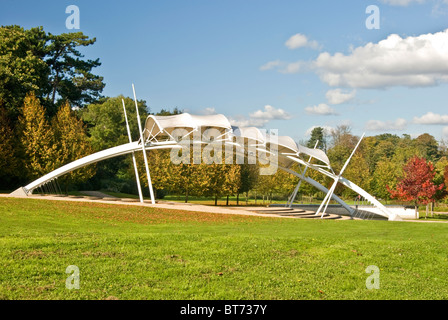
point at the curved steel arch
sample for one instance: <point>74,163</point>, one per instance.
<point>135,146</point>
<point>90,159</point>
<point>290,152</point>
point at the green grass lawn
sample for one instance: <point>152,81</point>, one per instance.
<point>132,252</point>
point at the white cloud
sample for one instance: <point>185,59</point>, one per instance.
<point>431,118</point>
<point>440,8</point>
<point>285,67</point>
<point>208,111</point>
<point>336,96</point>
<point>299,40</point>
<point>321,109</point>
<point>395,61</point>
<point>445,132</point>
<point>270,113</point>
<point>293,67</point>
<point>270,65</point>
<point>260,117</point>
<point>376,125</point>
<point>401,3</point>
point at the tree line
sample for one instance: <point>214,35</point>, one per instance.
<point>52,112</point>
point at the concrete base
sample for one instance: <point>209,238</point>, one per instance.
<point>19,192</point>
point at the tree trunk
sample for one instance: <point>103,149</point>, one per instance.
<point>227,200</point>
<point>55,85</point>
<point>237,199</point>
<point>186,196</point>
<point>216,200</point>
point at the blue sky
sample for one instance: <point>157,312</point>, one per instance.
<point>286,65</point>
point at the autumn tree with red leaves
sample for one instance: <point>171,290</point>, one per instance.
<point>445,178</point>
<point>417,183</point>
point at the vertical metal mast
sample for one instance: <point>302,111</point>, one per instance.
<point>294,194</point>
<point>139,187</point>
<point>151,191</point>
<point>330,192</point>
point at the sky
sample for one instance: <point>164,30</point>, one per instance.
<point>286,65</point>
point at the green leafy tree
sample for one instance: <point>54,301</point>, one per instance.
<point>106,127</point>
<point>222,179</point>
<point>318,134</point>
<point>439,178</point>
<point>310,190</point>
<point>249,174</point>
<point>167,112</point>
<point>22,66</point>
<point>232,181</point>
<point>386,174</point>
<point>358,172</point>
<point>8,157</point>
<point>428,147</point>
<point>106,122</point>
<point>71,76</point>
<point>50,65</point>
<point>280,183</point>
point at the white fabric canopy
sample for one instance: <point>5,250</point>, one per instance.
<point>249,133</point>
<point>315,153</point>
<point>218,128</point>
<point>162,127</point>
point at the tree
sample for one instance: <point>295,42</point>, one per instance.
<point>343,143</point>
<point>106,123</point>
<point>50,65</point>
<point>445,178</point>
<point>439,178</point>
<point>221,179</point>
<point>280,182</point>
<point>106,128</point>
<point>72,144</point>
<point>309,189</point>
<point>8,157</point>
<point>71,76</point>
<point>37,139</point>
<point>167,112</point>
<point>417,183</point>
<point>318,134</point>
<point>22,66</point>
<point>386,175</point>
<point>428,146</point>
<point>232,180</point>
<point>249,174</point>
<point>342,136</point>
<point>358,172</point>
